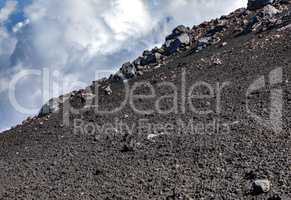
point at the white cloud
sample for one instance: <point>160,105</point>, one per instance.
<point>7,46</point>
<point>191,12</point>
<point>128,18</point>
<point>20,25</point>
<point>86,26</point>
<point>3,84</point>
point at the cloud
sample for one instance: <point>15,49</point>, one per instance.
<point>128,18</point>
<point>74,38</point>
<point>20,25</point>
<point>87,26</point>
<point>189,12</point>
<point>3,84</point>
<point>7,10</point>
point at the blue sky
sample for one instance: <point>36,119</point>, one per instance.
<point>17,15</point>
<point>74,38</point>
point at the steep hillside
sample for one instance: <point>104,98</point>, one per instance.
<point>214,121</point>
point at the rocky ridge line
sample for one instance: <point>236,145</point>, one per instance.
<point>258,17</point>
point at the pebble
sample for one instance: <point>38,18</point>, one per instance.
<point>151,136</point>
<point>223,44</point>
<point>217,61</point>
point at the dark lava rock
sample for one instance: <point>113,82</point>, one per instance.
<point>148,58</point>
<point>256,4</point>
<point>177,31</point>
<point>51,106</point>
<point>173,45</point>
<point>177,39</point>
<point>251,175</point>
<point>127,70</point>
<point>126,148</point>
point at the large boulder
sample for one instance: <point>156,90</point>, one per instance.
<point>256,4</point>
<point>148,58</point>
<point>158,57</point>
<point>173,45</point>
<point>127,70</point>
<point>263,20</point>
<point>184,38</point>
<point>179,30</point>
<point>137,62</point>
<point>179,38</point>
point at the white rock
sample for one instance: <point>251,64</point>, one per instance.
<point>270,11</point>
<point>108,90</point>
<point>152,136</point>
<point>158,57</point>
<point>263,185</point>
<point>224,44</point>
<point>184,38</point>
<point>217,61</point>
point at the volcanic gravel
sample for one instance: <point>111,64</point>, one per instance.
<point>45,159</point>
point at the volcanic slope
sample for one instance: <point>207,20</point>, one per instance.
<point>45,159</point>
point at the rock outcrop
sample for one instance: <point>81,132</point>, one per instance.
<point>51,106</point>
<point>178,40</point>
<point>256,4</point>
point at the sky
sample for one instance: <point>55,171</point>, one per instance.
<point>67,41</point>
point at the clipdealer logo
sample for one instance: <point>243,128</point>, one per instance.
<point>273,82</point>
<point>274,122</point>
